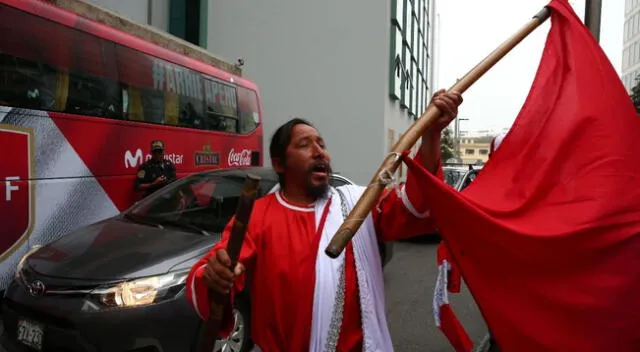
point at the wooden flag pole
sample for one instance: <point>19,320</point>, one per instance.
<point>409,138</point>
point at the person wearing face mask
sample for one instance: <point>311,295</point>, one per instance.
<point>155,172</point>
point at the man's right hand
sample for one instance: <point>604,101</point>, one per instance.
<point>159,180</point>
<point>217,274</point>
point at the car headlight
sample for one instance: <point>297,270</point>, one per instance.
<point>138,292</point>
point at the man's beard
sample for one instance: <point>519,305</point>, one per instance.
<point>318,191</point>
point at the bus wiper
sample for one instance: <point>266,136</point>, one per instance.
<point>142,220</point>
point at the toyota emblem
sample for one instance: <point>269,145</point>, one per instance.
<point>37,288</point>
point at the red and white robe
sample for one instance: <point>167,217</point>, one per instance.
<point>294,283</point>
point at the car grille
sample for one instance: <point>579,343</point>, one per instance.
<point>57,286</point>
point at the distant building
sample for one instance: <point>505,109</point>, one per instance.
<point>474,149</point>
<point>631,43</point>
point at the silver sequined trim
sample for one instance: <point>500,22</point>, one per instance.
<point>336,317</point>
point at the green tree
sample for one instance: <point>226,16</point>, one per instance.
<point>635,94</point>
<point>447,145</point>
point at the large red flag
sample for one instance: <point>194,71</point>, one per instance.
<point>548,236</point>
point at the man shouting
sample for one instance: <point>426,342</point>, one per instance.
<point>302,300</point>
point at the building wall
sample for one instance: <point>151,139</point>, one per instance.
<point>321,60</point>
<point>631,46</point>
<point>135,10</point>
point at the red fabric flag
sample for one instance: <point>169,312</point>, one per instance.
<point>548,236</point>
<point>449,281</point>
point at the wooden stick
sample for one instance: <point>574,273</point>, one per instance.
<point>409,138</point>
<point>218,301</point>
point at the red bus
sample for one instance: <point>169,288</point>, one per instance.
<point>80,103</point>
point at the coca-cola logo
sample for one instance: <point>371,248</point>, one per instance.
<point>242,158</point>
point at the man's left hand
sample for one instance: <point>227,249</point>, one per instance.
<point>448,103</point>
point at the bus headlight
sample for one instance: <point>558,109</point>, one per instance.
<point>138,292</point>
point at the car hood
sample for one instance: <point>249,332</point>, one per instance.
<point>118,249</point>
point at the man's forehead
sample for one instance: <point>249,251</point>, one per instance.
<point>304,131</point>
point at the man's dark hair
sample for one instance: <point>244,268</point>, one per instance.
<point>280,141</point>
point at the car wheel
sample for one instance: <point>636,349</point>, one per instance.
<point>238,340</point>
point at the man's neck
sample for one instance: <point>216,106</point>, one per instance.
<point>297,196</point>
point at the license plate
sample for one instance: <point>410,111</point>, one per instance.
<point>30,334</point>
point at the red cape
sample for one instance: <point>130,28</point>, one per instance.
<point>548,236</point>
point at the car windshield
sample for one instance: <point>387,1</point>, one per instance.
<point>199,203</point>
<point>453,176</point>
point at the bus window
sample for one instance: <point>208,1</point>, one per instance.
<point>93,96</point>
<point>248,110</point>
<point>191,113</point>
<point>27,84</point>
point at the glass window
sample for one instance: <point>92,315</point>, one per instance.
<point>409,34</point>
<point>418,52</point>
<point>416,37</point>
<point>399,15</point>
<point>425,16</point>
<point>625,58</point>
<point>407,18</point>
<point>249,111</point>
<point>418,85</point>
<point>27,84</point>
<point>397,66</point>
<point>203,203</point>
<point>452,176</point>
<point>415,82</point>
<point>93,96</point>
<point>624,34</point>
<point>412,87</point>
<point>406,83</point>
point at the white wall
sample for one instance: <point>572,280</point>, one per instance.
<point>140,11</point>
<point>133,9</point>
<point>326,61</point>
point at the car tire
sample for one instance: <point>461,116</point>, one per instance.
<point>239,340</point>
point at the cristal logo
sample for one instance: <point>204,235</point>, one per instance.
<point>242,158</point>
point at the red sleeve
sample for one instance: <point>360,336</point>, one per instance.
<point>404,213</point>
<point>197,290</point>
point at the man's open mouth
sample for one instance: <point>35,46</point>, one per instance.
<point>320,169</point>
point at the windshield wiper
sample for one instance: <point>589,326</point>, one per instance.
<point>186,225</point>
<point>142,220</point>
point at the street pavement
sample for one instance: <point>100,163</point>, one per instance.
<point>410,278</point>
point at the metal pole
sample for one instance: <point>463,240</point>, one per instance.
<point>592,15</point>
